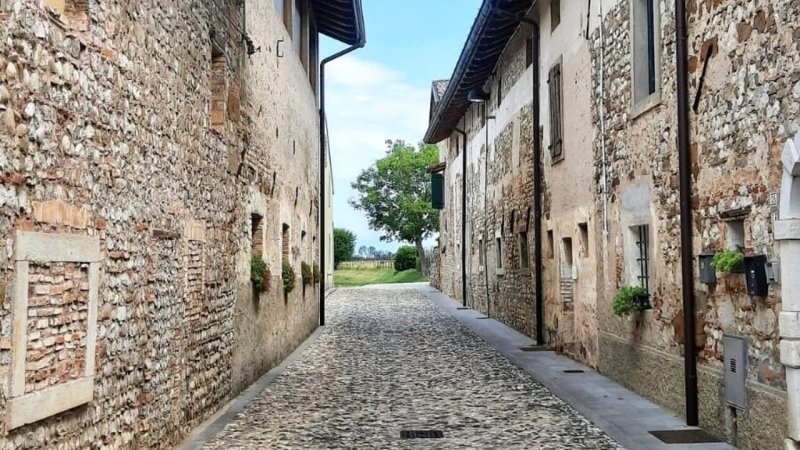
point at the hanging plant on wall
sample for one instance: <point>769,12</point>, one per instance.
<point>631,299</point>
<point>317,274</point>
<point>729,261</point>
<point>288,276</point>
<point>259,274</point>
<point>306,273</point>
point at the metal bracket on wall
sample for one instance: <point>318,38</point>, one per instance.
<point>278,48</point>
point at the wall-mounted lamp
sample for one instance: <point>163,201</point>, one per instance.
<point>478,96</point>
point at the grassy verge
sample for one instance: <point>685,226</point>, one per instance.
<point>354,277</point>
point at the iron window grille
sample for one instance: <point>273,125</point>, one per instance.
<point>642,240</point>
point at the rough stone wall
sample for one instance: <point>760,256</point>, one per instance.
<point>107,132</point>
<point>747,109</point>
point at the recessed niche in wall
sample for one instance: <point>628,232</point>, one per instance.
<point>584,229</point>
<point>734,234</point>
<point>52,269</point>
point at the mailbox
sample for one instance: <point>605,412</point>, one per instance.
<point>437,191</point>
<point>756,273</point>
<point>708,274</point>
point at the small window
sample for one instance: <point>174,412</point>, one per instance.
<point>480,252</point>
<point>550,245</point>
<point>285,244</point>
<point>584,229</point>
<point>257,234</point>
<point>313,57</point>
<point>567,261</point>
<point>643,261</point>
<point>734,234</point>
<point>556,124</point>
<point>523,250</point>
<point>218,81</point>
<point>499,241</point>
<point>499,91</point>
<point>646,40</point>
<point>555,14</point>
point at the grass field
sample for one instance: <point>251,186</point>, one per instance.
<point>355,277</point>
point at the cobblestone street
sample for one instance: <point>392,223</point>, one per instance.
<point>390,360</point>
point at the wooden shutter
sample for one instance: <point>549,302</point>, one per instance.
<point>556,123</point>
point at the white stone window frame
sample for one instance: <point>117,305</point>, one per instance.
<point>640,74</point>
<point>33,247</point>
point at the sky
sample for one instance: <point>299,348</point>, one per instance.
<point>382,91</point>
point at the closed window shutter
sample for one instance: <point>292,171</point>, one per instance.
<point>556,126</point>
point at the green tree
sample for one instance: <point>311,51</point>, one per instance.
<point>395,194</point>
<point>344,243</point>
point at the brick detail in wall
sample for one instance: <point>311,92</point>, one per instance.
<point>58,301</point>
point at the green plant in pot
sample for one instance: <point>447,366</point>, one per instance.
<point>306,273</point>
<point>729,261</point>
<point>259,274</point>
<point>288,276</point>
<point>630,300</point>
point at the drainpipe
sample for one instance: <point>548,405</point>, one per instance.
<point>602,113</point>
<point>362,41</point>
<point>537,175</point>
<point>486,211</point>
<point>463,215</point>
<point>685,178</point>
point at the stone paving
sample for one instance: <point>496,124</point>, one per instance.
<point>390,360</point>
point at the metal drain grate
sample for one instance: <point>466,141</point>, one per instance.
<point>536,348</point>
<point>483,318</point>
<point>574,371</point>
<point>462,309</point>
<point>684,437</point>
<point>421,434</point>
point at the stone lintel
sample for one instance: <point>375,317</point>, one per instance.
<point>787,230</point>
<point>790,324</point>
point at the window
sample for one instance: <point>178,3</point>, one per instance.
<point>481,252</point>
<point>550,245</point>
<point>556,126</point>
<point>646,37</point>
<point>499,241</point>
<point>643,260</point>
<point>523,250</point>
<point>567,261</point>
<point>555,14</point>
<point>313,57</point>
<point>734,234</point>
<point>584,229</point>
<point>499,91</point>
<point>285,243</point>
<point>219,88</point>
<point>257,233</point>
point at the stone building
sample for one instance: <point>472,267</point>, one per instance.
<point>608,192</point>
<point>148,150</point>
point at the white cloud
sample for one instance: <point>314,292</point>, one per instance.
<point>367,103</point>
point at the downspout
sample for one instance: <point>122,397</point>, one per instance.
<point>486,211</point>
<point>463,215</point>
<point>362,41</point>
<point>537,177</point>
<point>685,176</point>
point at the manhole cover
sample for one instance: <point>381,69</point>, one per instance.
<point>684,437</point>
<point>574,371</point>
<point>421,434</point>
<point>536,348</point>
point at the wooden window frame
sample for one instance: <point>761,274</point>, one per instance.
<point>555,86</point>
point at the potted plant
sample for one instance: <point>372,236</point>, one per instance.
<point>306,273</point>
<point>630,300</point>
<point>729,261</point>
<point>288,276</point>
<point>259,274</point>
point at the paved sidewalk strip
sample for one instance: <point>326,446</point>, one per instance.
<point>624,415</point>
<point>391,361</point>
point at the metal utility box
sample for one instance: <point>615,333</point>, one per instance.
<point>756,273</point>
<point>708,274</point>
<point>437,191</point>
<point>735,355</point>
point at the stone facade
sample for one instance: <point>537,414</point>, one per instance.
<point>147,127</point>
<point>616,186</point>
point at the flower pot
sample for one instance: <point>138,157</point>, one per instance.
<point>642,302</point>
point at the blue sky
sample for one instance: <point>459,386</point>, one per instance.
<point>382,91</point>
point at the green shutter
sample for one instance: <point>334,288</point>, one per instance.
<point>437,190</point>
